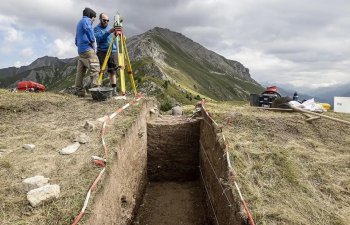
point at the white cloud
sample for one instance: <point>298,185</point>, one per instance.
<point>9,30</point>
<point>260,61</point>
<point>19,64</point>
<point>63,48</point>
<point>13,35</point>
<point>26,52</point>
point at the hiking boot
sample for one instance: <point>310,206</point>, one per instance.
<point>80,92</point>
<point>114,92</point>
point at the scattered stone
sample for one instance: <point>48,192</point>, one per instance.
<point>89,126</point>
<point>70,149</point>
<point>43,194</point>
<point>152,111</point>
<point>120,98</point>
<point>29,146</point>
<point>81,138</point>
<point>102,119</point>
<point>34,182</point>
<point>123,201</point>
<point>176,111</point>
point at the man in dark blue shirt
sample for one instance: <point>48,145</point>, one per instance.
<point>104,36</point>
<point>88,60</point>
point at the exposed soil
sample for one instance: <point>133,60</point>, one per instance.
<point>173,195</point>
<point>172,149</point>
<point>172,203</point>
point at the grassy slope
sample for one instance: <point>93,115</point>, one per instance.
<point>290,171</point>
<point>167,96</point>
<point>191,73</point>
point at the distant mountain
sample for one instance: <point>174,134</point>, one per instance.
<point>172,56</point>
<point>162,55</point>
<point>323,94</point>
<point>328,93</point>
<point>289,90</point>
<point>47,70</point>
<point>347,94</point>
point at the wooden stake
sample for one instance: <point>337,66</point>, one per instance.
<point>312,118</point>
<point>276,109</point>
<point>319,115</point>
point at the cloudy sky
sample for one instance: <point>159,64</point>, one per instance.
<point>305,43</point>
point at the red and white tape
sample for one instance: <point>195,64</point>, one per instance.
<point>101,161</point>
<point>245,206</point>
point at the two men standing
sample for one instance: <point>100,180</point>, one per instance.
<point>89,42</point>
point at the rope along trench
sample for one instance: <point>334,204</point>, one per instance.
<point>101,161</point>
<point>245,206</point>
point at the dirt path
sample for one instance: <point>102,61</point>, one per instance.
<point>171,203</point>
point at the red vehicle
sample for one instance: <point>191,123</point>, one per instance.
<point>30,86</point>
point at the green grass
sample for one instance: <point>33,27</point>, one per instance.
<point>169,95</point>
<point>191,73</point>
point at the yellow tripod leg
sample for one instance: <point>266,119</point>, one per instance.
<point>128,64</point>
<point>103,68</point>
<point>121,62</point>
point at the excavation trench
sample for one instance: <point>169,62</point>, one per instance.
<point>168,170</point>
<point>173,194</point>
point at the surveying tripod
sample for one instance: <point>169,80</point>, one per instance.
<point>123,56</point>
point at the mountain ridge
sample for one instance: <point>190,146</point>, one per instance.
<point>159,53</point>
<point>192,65</point>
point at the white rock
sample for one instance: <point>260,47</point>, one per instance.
<point>176,111</point>
<point>102,119</point>
<point>34,182</point>
<point>29,146</point>
<point>81,138</point>
<point>70,149</point>
<point>89,126</point>
<point>42,194</point>
<point>120,98</point>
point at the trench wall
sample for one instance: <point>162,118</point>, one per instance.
<point>173,149</point>
<point>126,179</point>
<point>180,149</point>
<point>215,176</point>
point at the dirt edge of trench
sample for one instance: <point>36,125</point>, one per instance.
<point>124,185</point>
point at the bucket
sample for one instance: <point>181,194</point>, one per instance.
<point>254,100</point>
<point>101,93</point>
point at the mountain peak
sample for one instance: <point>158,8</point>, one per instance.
<point>44,61</point>
<point>172,53</point>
